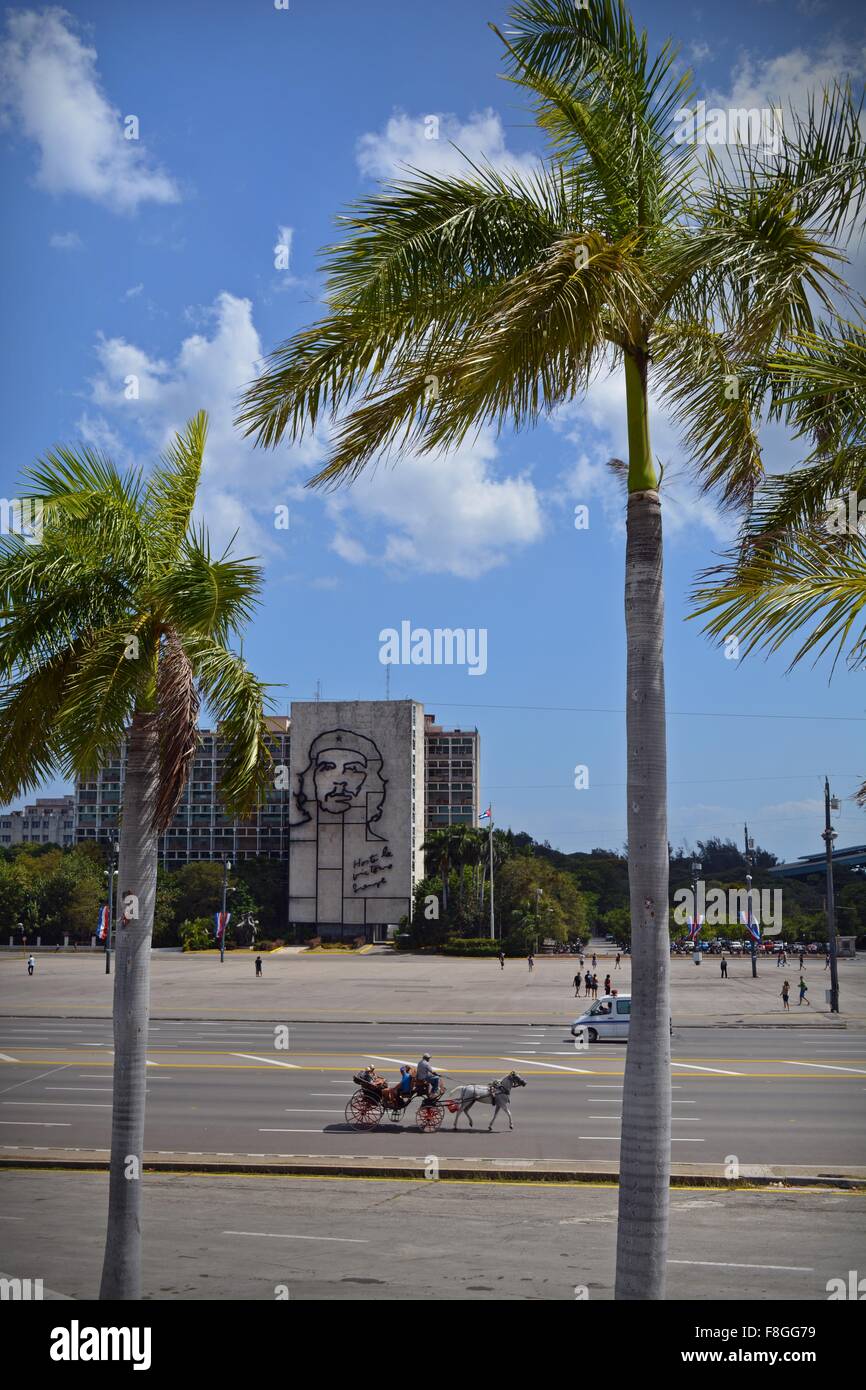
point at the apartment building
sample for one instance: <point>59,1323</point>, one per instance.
<point>452,775</point>
<point>49,820</point>
<point>200,829</point>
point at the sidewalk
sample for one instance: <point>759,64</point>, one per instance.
<point>394,988</point>
<point>449,1170</point>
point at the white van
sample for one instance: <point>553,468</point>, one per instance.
<point>606,1018</point>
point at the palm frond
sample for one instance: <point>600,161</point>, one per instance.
<point>177,705</point>
<point>238,701</point>
<point>173,485</point>
<point>812,582</point>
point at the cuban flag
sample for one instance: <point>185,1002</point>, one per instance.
<point>753,927</point>
<point>102,927</point>
<point>694,925</point>
<point>221,921</point>
<point>486,815</point>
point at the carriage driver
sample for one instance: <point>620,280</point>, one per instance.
<point>427,1076</point>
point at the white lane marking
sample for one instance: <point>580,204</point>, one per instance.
<point>30,1079</point>
<point>270,1061</point>
<point>374,1056</point>
<point>690,1066</point>
<point>723,1264</point>
<point>825,1066</point>
<point>4,1057</point>
<point>554,1066</point>
<point>278,1235</point>
<point>103,1090</point>
<point>282,1131</point>
<point>39,1124</point>
<point>605,1088</point>
<point>611,1137</point>
<point>65,1104</point>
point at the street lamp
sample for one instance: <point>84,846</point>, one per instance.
<point>111,874</point>
<point>227,864</point>
<point>828,835</point>
<point>750,856</point>
<point>697,866</point>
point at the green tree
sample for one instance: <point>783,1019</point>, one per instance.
<point>492,299</point>
<point>112,627</point>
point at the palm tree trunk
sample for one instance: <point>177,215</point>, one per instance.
<point>646,1125</point>
<point>644,1181</point>
<point>121,1270</point>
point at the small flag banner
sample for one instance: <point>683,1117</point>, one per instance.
<point>486,815</point>
<point>221,921</point>
<point>694,924</point>
<point>752,927</point>
<point>102,924</point>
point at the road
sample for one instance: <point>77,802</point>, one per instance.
<point>783,1096</point>
<point>305,1238</point>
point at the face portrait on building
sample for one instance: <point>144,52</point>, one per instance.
<point>356,814</point>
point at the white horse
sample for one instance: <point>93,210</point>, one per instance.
<point>498,1094</point>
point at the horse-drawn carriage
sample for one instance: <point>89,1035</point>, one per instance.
<point>374,1099</point>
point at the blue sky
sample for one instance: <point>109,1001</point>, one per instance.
<point>155,258</point>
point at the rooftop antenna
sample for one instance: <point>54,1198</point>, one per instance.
<point>318,691</point>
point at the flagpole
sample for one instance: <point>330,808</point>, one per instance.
<point>492,925</point>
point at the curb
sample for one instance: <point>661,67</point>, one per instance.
<point>528,1171</point>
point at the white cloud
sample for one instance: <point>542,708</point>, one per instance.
<point>133,292</point>
<point>241,485</point>
<point>53,95</point>
<point>405,141</point>
<point>790,77</point>
<point>65,241</point>
<point>440,514</point>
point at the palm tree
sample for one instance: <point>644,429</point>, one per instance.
<point>493,299</point>
<point>109,629</point>
<point>799,572</point>
<point>437,848</point>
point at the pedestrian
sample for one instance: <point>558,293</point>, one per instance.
<point>595,986</point>
<point>801,961</point>
<point>530,961</point>
<point>31,964</point>
<point>607,984</point>
<point>501,960</point>
<point>780,959</point>
<point>582,960</point>
<point>803,988</point>
<point>576,983</point>
<point>723,967</point>
<point>594,962</point>
<point>618,961</point>
<point>827,961</point>
<point>784,992</point>
<point>587,980</point>
<point>258,966</point>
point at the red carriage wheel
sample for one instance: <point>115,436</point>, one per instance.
<point>362,1112</point>
<point>430,1117</point>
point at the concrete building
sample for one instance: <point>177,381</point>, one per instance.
<point>49,820</point>
<point>200,828</point>
<point>453,775</point>
<point>399,774</point>
<point>357,816</point>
